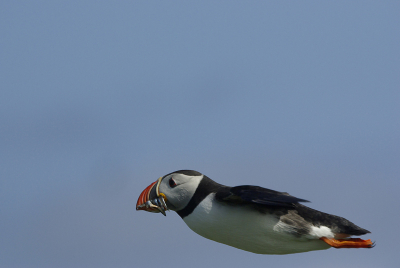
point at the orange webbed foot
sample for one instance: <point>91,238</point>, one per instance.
<point>348,243</point>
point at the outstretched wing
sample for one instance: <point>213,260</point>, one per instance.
<point>257,195</point>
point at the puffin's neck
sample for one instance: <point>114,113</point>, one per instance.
<point>205,187</point>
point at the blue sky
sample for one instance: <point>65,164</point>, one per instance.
<point>100,98</point>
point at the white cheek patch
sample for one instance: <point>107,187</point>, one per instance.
<point>180,196</point>
<point>186,191</point>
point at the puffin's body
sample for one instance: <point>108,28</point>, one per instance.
<point>248,217</point>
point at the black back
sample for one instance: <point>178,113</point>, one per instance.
<point>281,204</point>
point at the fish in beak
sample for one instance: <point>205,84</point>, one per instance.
<point>152,200</point>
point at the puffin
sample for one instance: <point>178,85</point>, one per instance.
<point>250,218</point>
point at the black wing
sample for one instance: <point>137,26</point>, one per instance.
<point>257,195</point>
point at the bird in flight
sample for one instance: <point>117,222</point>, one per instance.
<point>247,217</point>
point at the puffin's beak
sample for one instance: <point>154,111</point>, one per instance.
<point>152,200</point>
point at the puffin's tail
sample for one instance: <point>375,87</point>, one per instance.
<point>337,224</point>
<point>341,227</point>
<point>348,243</point>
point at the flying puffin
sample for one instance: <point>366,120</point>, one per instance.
<point>248,217</point>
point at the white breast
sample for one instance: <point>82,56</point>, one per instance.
<point>247,229</point>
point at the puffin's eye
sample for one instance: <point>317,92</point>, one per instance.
<point>172,183</point>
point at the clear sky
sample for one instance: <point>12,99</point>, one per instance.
<point>100,98</point>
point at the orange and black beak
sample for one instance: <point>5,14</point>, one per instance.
<point>152,200</point>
